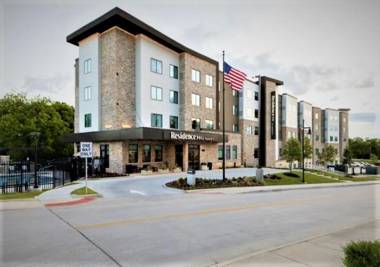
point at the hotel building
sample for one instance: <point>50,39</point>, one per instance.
<point>148,102</point>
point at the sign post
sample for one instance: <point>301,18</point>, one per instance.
<point>86,152</point>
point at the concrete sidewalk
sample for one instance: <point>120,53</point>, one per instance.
<point>326,250</point>
<point>271,188</point>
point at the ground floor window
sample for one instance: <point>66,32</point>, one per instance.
<point>133,153</point>
<point>104,154</point>
<point>256,153</point>
<point>228,152</point>
<point>234,152</point>
<point>147,153</point>
<point>220,152</point>
<point>195,124</point>
<point>158,153</point>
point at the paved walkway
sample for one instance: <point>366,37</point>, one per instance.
<point>324,250</point>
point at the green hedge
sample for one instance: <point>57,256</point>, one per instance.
<point>362,253</point>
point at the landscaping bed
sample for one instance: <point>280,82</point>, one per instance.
<point>207,184</point>
<point>82,191</point>
<point>23,195</point>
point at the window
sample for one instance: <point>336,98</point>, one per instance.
<point>87,66</point>
<point>317,138</point>
<point>209,102</point>
<point>156,120</point>
<point>256,113</point>
<point>156,93</point>
<point>173,71</point>
<point>156,66</point>
<point>104,154</point>
<point>256,130</point>
<point>256,96</point>
<point>331,138</point>
<point>249,130</point>
<point>173,122</point>
<point>280,152</point>
<point>234,110</point>
<point>158,153</point>
<point>256,153</point>
<point>195,99</point>
<point>220,152</point>
<point>209,124</point>
<point>173,97</point>
<point>133,155</point>
<point>235,127</point>
<point>196,76</point>
<point>195,123</point>
<point>228,152</point>
<point>87,120</point>
<point>234,92</point>
<point>336,138</point>
<point>209,80</point>
<point>87,93</point>
<point>316,116</point>
<point>317,151</point>
<point>234,152</point>
<point>146,153</point>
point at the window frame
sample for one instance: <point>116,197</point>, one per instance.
<point>87,66</point>
<point>198,120</point>
<point>156,68</point>
<point>170,121</point>
<point>194,97</point>
<point>86,116</point>
<point>209,80</point>
<point>136,156</point>
<point>175,93</point>
<point>87,93</point>
<point>209,102</point>
<point>195,72</point>
<point>149,158</point>
<point>156,89</point>
<point>155,115</point>
<point>161,158</point>
<point>173,75</point>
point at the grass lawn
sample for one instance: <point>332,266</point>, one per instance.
<point>288,180</point>
<point>82,191</point>
<point>363,178</point>
<point>24,195</point>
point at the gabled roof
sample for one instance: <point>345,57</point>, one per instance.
<point>120,18</point>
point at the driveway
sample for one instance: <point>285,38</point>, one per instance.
<point>154,185</point>
<point>143,186</point>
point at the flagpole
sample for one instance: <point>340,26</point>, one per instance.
<point>224,128</point>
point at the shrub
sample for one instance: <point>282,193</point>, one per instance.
<point>362,253</point>
<point>291,174</point>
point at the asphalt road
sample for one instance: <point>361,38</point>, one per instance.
<point>178,229</point>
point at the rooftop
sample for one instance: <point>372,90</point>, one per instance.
<point>120,18</point>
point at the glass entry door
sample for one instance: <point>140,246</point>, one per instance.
<point>194,157</point>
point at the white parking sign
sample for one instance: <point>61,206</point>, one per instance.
<point>86,149</point>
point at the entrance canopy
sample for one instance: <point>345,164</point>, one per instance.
<point>145,133</point>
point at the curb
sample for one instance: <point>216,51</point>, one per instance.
<point>274,189</point>
<point>71,202</point>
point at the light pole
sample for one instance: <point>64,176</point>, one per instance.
<point>35,136</point>
<point>303,148</point>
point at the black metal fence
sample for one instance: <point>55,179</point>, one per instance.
<point>25,176</point>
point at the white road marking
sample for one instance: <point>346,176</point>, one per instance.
<point>137,192</point>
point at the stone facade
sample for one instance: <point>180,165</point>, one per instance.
<point>249,142</point>
<point>117,81</point>
<point>187,87</point>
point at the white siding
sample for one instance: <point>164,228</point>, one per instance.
<point>247,101</point>
<point>289,111</point>
<point>145,50</point>
<point>331,124</point>
<point>89,49</point>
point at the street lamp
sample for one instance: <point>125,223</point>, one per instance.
<point>35,136</point>
<point>303,147</point>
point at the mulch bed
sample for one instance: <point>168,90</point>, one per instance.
<point>206,184</point>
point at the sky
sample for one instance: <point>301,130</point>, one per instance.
<point>327,52</point>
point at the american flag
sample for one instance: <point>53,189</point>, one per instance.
<point>233,77</point>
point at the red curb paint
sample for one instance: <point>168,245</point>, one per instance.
<point>71,203</point>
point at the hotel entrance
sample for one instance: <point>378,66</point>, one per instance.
<point>194,157</point>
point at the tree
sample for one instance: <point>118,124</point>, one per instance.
<point>328,154</point>
<point>347,156</point>
<point>292,151</point>
<point>308,148</point>
<point>20,117</point>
